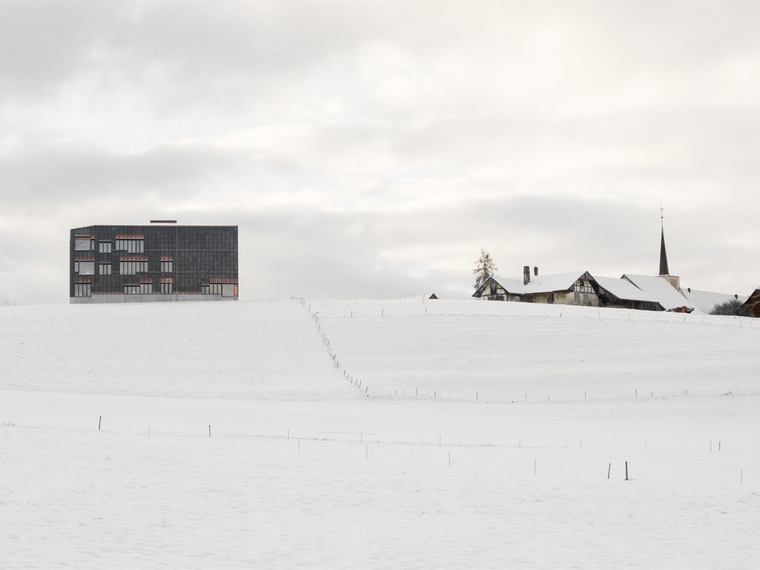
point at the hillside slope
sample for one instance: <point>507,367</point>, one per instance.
<point>514,351</point>
<point>236,349</point>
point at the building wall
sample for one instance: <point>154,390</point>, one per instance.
<point>172,262</point>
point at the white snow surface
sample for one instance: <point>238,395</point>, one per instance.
<point>494,454</point>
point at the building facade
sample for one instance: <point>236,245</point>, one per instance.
<point>157,262</point>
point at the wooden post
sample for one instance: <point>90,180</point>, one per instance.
<point>718,446</point>
<point>609,468</point>
<point>100,419</point>
<point>626,471</point>
<point>209,430</point>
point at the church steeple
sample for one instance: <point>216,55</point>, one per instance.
<point>663,254</point>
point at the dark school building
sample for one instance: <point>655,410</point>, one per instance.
<point>162,261</point>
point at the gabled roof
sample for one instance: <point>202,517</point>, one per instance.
<point>538,283</point>
<point>706,301</point>
<point>658,288</point>
<point>551,283</point>
<point>625,290</point>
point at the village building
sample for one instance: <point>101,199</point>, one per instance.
<point>575,288</point>
<point>660,292</point>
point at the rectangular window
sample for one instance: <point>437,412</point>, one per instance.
<point>146,288</point>
<point>104,269</point>
<point>167,265</point>
<point>228,289</point>
<point>105,247</point>
<point>84,243</point>
<point>131,289</point>
<point>84,267</point>
<point>82,290</point>
<point>167,288</point>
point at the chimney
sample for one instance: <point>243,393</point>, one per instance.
<point>526,274</point>
<point>535,271</point>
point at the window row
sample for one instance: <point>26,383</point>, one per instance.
<point>131,245</point>
<point>223,289</point>
<point>141,289</point>
<point>82,289</point>
<point>132,267</point>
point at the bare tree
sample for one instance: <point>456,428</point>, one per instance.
<point>732,307</point>
<point>484,268</point>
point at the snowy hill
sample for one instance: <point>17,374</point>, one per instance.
<point>483,435</point>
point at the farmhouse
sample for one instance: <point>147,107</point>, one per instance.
<point>575,288</point>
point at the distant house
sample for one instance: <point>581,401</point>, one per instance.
<point>575,288</point>
<point>706,301</point>
<point>640,292</point>
<point>751,306</point>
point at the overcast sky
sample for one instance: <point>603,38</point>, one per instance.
<point>371,149</point>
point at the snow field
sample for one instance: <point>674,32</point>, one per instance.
<point>303,470</point>
<point>515,352</point>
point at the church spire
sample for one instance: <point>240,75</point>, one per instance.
<point>663,254</point>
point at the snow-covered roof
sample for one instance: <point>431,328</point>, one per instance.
<point>625,290</point>
<point>659,289</point>
<point>706,301</point>
<point>540,283</point>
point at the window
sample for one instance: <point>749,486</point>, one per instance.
<point>104,269</point>
<point>212,289</point>
<point>130,244</point>
<point>105,247</point>
<point>131,289</point>
<point>84,243</point>
<point>132,266</point>
<point>167,265</point>
<point>228,289</point>
<point>84,267</point>
<point>82,290</point>
<point>167,287</point>
<point>146,288</point>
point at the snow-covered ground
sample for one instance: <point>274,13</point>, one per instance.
<point>494,454</point>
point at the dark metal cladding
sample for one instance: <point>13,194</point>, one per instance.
<point>153,263</point>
